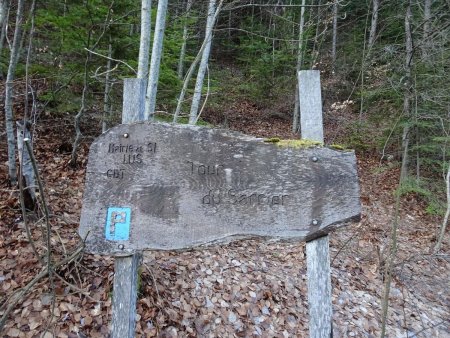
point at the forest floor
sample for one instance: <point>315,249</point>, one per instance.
<point>249,288</point>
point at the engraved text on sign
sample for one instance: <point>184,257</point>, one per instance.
<point>161,186</point>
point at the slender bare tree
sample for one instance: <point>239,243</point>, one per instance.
<point>4,15</point>
<point>440,237</point>
<point>333,46</point>
<point>152,86</point>
<point>426,29</point>
<point>14,56</point>
<point>192,67</point>
<point>373,25</point>
<point>180,69</point>
<point>403,173</point>
<point>203,63</point>
<point>407,95</point>
<point>108,86</point>
<point>296,113</point>
<point>144,47</point>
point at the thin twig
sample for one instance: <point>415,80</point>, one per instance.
<point>355,234</point>
<point>25,218</point>
<point>154,281</point>
<point>36,279</point>
<point>76,288</point>
<point>112,59</point>
<point>44,206</point>
<point>23,208</point>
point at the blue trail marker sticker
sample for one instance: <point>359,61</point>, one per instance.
<point>118,224</point>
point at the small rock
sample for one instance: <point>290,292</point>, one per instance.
<point>46,298</point>
<point>170,332</point>
<point>232,317</point>
<point>209,304</point>
<point>236,262</point>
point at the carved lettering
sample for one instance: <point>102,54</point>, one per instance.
<point>204,169</point>
<point>253,199</point>
<point>211,198</point>
<point>132,159</point>
<point>261,198</point>
<point>115,173</point>
<point>130,148</point>
<point>232,195</point>
<point>151,147</point>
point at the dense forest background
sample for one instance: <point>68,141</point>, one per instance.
<point>384,69</point>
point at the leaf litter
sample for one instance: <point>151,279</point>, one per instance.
<point>250,288</point>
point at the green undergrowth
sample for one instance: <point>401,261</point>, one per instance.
<point>426,190</point>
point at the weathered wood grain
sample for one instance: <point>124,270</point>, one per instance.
<point>126,268</point>
<point>317,250</point>
<point>310,96</point>
<point>319,288</point>
<point>133,100</point>
<point>123,320</point>
<point>183,186</point>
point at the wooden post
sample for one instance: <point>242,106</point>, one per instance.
<point>125,296</point>
<point>317,251</point>
<point>133,100</point>
<point>126,268</point>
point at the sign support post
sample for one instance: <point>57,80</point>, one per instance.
<point>317,250</point>
<point>126,268</point>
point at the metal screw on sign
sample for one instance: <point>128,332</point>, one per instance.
<point>315,222</point>
<point>126,135</point>
<point>121,246</point>
<point>314,159</point>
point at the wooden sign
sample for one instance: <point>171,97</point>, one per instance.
<point>163,186</point>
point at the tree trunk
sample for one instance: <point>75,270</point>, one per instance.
<point>180,70</point>
<point>152,87</point>
<point>296,113</point>
<point>26,168</point>
<point>9,115</point>
<point>203,63</point>
<point>190,72</point>
<point>373,25</point>
<point>76,142</point>
<point>4,16</point>
<point>407,97</point>
<point>3,11</point>
<point>426,29</point>
<point>315,50</point>
<point>28,86</point>
<point>363,67</point>
<point>447,214</point>
<point>144,47</point>
<point>333,47</point>
<point>106,98</point>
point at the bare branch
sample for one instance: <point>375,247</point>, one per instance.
<point>112,59</point>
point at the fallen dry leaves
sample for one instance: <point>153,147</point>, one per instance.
<point>249,288</point>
